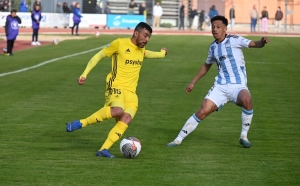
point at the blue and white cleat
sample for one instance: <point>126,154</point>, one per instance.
<point>75,125</point>
<point>173,144</point>
<point>245,142</point>
<point>104,153</point>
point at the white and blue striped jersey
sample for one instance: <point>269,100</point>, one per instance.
<point>229,58</point>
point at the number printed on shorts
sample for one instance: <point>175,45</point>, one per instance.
<point>116,91</point>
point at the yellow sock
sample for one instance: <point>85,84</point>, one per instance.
<point>115,133</point>
<point>102,114</point>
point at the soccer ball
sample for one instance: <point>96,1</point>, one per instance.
<point>56,41</point>
<point>130,147</point>
<point>4,50</point>
<point>97,34</point>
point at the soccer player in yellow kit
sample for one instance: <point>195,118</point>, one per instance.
<point>121,99</point>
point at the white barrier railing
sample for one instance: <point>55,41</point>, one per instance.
<point>58,20</point>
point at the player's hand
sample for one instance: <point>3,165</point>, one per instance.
<point>166,51</point>
<point>81,80</point>
<point>265,40</point>
<point>189,88</point>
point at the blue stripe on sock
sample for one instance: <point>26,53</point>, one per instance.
<point>248,112</point>
<point>196,118</point>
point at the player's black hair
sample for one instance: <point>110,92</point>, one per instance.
<point>13,10</point>
<point>143,25</point>
<point>221,18</point>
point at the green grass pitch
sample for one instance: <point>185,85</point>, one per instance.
<point>35,148</point>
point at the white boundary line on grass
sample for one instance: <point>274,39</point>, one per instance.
<point>49,61</point>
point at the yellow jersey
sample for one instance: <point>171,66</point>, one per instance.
<point>127,60</point>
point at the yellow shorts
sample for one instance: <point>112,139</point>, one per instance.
<point>118,97</point>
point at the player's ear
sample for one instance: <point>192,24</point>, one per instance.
<point>136,33</point>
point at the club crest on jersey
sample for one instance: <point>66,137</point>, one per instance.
<point>227,45</point>
<point>14,25</point>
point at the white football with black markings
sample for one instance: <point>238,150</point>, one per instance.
<point>130,147</point>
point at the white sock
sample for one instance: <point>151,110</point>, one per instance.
<point>189,126</point>
<point>246,122</point>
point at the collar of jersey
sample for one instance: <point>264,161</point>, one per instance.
<point>222,40</point>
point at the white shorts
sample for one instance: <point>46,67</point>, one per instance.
<point>222,94</point>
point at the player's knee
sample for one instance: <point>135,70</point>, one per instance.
<point>247,103</point>
<point>126,118</point>
<point>116,112</point>
<point>201,114</point>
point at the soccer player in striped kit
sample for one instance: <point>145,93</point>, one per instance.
<point>11,30</point>
<point>230,83</point>
<point>36,17</point>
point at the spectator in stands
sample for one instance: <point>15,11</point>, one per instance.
<point>65,8</point>
<point>131,7</point>
<point>58,8</point>
<point>232,16</point>
<point>213,12</point>
<point>107,9</point>
<point>36,17</point>
<point>23,6</point>
<point>181,16</point>
<point>201,19</point>
<point>72,6</point>
<point>76,18</point>
<point>264,20</point>
<point>142,9</point>
<point>157,13</point>
<point>192,14</point>
<point>98,9</point>
<point>1,6</point>
<point>6,6</point>
<point>254,16</point>
<point>278,18</point>
<point>37,2</point>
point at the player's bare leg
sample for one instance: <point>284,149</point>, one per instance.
<point>191,124</point>
<point>244,100</point>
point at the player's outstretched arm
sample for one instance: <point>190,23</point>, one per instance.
<point>91,64</point>
<point>259,44</point>
<point>203,70</point>
<point>150,54</point>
